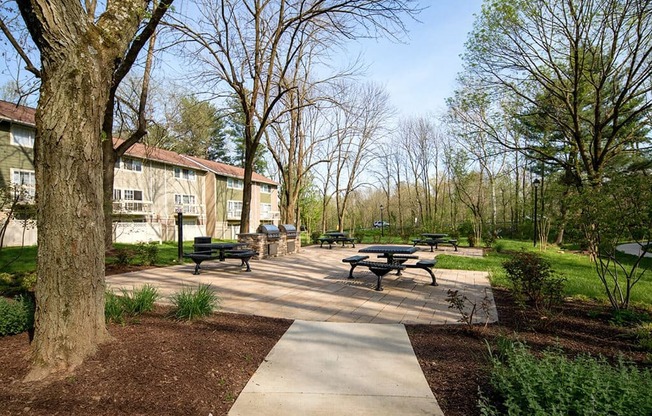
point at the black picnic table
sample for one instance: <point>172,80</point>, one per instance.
<point>223,251</point>
<point>396,257</point>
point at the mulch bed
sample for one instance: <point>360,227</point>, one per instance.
<point>158,366</point>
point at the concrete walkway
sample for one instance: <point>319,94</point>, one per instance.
<point>334,359</point>
<point>325,368</point>
<point>635,249</point>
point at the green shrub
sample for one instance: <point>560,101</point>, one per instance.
<point>500,246</point>
<point>16,315</point>
<point>122,256</point>
<point>190,304</point>
<point>138,301</point>
<point>523,384</point>
<point>533,280</point>
<point>113,309</point>
<point>314,236</point>
<point>359,236</point>
<point>148,253</point>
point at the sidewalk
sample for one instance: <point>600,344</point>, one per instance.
<point>323,368</point>
<point>347,353</point>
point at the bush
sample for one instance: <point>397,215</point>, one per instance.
<point>523,384</point>
<point>314,236</point>
<point>116,308</point>
<point>533,281</point>
<point>122,256</point>
<point>16,316</point>
<point>148,253</point>
<point>113,309</point>
<point>359,236</point>
<point>190,304</point>
<point>138,301</point>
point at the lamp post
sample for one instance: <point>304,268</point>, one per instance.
<point>382,223</point>
<point>535,184</point>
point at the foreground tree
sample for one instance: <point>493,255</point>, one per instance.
<point>80,52</point>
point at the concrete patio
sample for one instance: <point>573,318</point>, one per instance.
<point>312,285</point>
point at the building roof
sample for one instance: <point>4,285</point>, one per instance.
<point>26,115</point>
<point>17,113</point>
<point>223,169</point>
<point>142,151</point>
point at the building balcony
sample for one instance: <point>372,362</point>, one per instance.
<point>132,207</point>
<point>270,215</point>
<point>188,209</point>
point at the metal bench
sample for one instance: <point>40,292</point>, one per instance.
<point>442,241</point>
<point>399,258</point>
<point>243,255</point>
<point>353,261</point>
<point>198,258</point>
<point>425,241</point>
<point>380,269</point>
<point>329,240</point>
<point>427,265</point>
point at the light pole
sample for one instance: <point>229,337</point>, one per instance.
<point>382,223</point>
<point>535,184</point>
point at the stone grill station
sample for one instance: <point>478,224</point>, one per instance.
<point>272,241</point>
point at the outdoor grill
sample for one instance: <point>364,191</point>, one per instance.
<point>289,230</point>
<point>272,231</point>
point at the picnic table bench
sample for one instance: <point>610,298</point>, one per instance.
<point>334,239</point>
<point>434,242</point>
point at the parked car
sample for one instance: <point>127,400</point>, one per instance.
<point>380,224</point>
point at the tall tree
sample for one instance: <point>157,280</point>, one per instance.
<point>80,51</point>
<point>251,45</point>
<point>582,65</point>
<point>359,125</point>
<point>197,129</point>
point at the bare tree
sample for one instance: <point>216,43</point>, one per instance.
<point>252,46</point>
<point>360,124</point>
<point>581,67</point>
<point>81,51</point>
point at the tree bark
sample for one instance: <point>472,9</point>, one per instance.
<point>77,56</point>
<point>70,289</point>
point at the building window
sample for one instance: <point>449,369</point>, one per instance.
<point>234,209</point>
<point>266,211</point>
<point>117,194</point>
<point>135,165</point>
<point>187,174</point>
<point>233,183</point>
<point>132,195</point>
<point>265,188</point>
<point>25,183</point>
<point>22,135</point>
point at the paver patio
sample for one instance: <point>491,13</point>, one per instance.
<point>312,285</point>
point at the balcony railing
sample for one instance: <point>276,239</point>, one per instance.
<point>270,215</point>
<point>188,209</point>
<point>132,207</point>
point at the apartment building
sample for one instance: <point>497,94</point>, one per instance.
<point>151,186</point>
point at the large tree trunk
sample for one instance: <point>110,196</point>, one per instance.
<point>78,55</point>
<point>70,216</point>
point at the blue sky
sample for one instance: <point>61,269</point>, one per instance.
<point>420,74</point>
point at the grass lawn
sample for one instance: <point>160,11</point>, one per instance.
<point>580,273</point>
<point>19,260</point>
